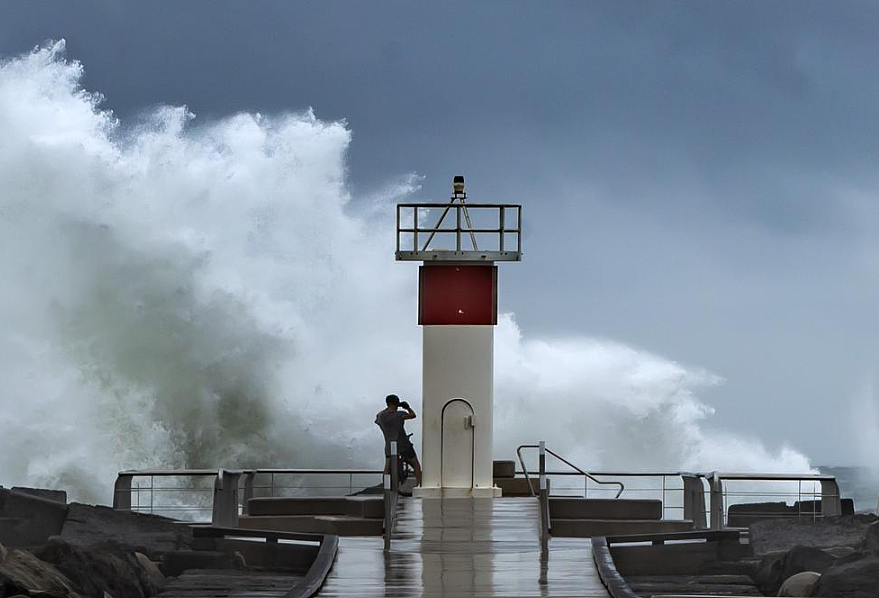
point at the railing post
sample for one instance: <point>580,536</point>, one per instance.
<point>457,229</point>
<point>122,492</point>
<point>716,503</point>
<point>391,485</point>
<point>544,499</point>
<point>502,227</point>
<point>225,508</point>
<point>415,229</point>
<point>694,500</point>
<point>248,490</point>
<point>831,503</point>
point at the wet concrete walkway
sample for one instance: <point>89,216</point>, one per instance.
<point>462,548</point>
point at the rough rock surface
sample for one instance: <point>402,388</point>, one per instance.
<point>149,534</point>
<point>770,572</point>
<point>150,577</point>
<point>806,558</point>
<point>97,569</point>
<point>801,584</point>
<point>776,567</point>
<point>871,538</point>
<point>23,573</point>
<point>858,579</point>
<point>783,534</point>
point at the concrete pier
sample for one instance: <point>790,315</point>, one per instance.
<point>464,547</point>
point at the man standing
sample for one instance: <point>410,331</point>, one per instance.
<point>391,421</point>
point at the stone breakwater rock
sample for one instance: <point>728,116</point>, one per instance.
<point>801,584</point>
<point>151,535</point>
<point>23,573</point>
<point>783,534</point>
<point>871,538</point>
<point>98,569</point>
<point>857,579</point>
<point>150,576</point>
<point>776,567</point>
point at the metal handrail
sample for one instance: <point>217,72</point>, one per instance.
<point>566,462</point>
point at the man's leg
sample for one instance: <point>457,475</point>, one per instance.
<point>416,467</point>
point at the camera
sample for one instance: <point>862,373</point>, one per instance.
<point>404,404</point>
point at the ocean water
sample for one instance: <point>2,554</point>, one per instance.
<point>858,483</point>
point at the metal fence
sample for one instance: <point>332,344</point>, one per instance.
<point>458,231</point>
<point>221,495</point>
<point>704,498</point>
<point>206,494</point>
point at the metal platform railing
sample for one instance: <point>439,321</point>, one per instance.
<point>577,471</point>
<point>222,494</point>
<point>476,232</point>
<point>703,498</point>
<point>728,489</point>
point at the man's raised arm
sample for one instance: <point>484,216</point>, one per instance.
<point>410,413</point>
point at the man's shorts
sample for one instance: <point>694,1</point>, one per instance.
<point>407,453</point>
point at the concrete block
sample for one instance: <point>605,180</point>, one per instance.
<point>503,469</point>
<point>53,495</point>
<point>176,562</point>
<point>604,508</point>
<point>340,525</point>
<point>587,528</point>
<point>689,558</point>
<point>275,556</point>
<point>370,507</point>
<point>37,518</point>
<point>518,486</point>
<point>297,506</point>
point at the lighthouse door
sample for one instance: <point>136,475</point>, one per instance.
<point>457,444</point>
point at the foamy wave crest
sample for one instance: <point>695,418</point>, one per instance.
<point>184,293</point>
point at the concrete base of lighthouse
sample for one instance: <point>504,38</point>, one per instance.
<point>434,492</point>
<point>457,397</point>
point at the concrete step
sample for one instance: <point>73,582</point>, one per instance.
<point>587,528</point>
<point>354,506</point>
<point>604,508</point>
<point>341,525</point>
<point>518,486</point>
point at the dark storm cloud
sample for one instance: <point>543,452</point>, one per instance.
<point>699,177</point>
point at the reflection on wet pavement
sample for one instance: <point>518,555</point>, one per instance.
<point>464,547</point>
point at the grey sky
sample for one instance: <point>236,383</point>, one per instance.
<point>699,178</point>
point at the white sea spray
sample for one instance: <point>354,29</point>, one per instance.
<point>180,293</point>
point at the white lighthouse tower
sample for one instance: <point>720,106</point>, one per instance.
<point>459,244</point>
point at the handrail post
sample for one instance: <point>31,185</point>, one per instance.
<point>391,483</point>
<point>694,500</point>
<point>122,492</point>
<point>544,499</point>
<point>248,490</point>
<point>716,502</point>
<point>831,503</point>
<point>225,508</point>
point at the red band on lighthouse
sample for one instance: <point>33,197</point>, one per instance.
<point>457,294</point>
